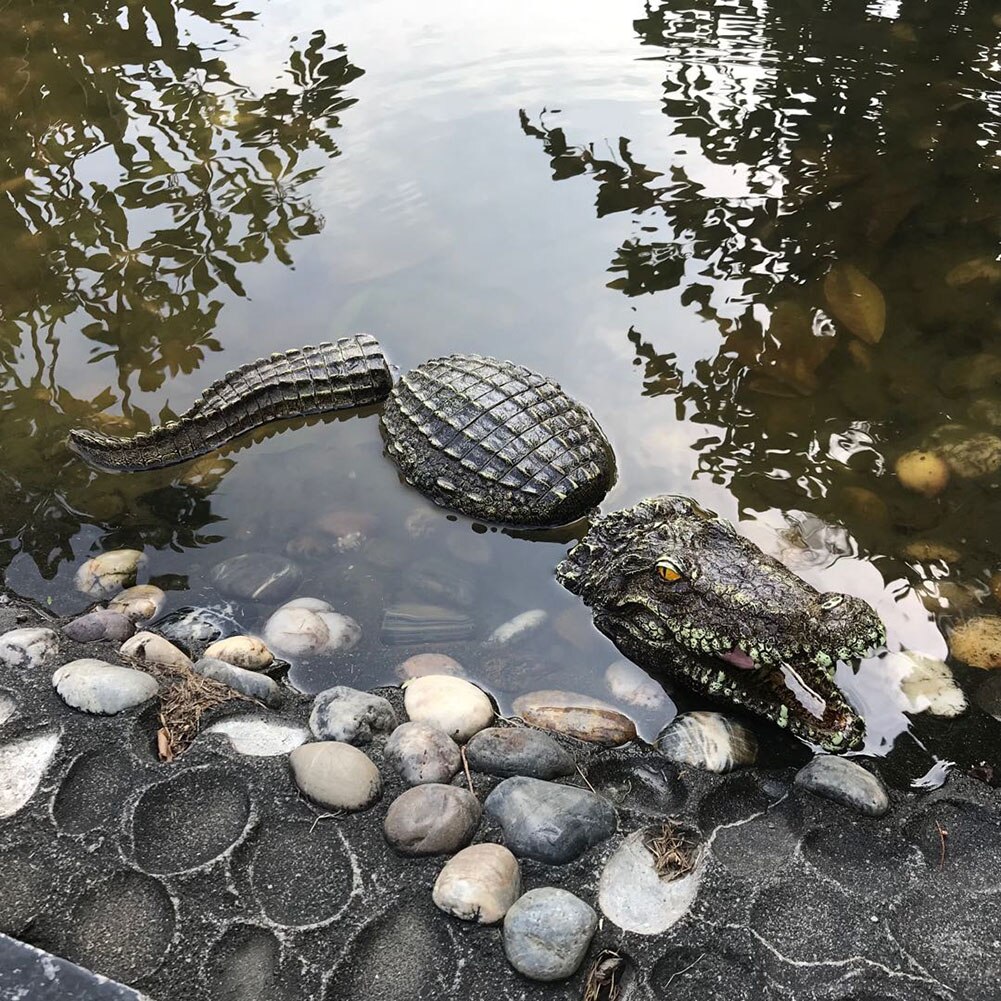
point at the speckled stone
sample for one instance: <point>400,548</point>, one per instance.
<point>511,751</point>
<point>422,753</point>
<point>707,740</point>
<point>479,884</point>
<point>260,736</point>
<point>454,705</point>
<point>347,714</point>
<point>100,624</point>
<point>845,782</point>
<point>336,775</point>
<point>547,932</point>
<point>95,686</point>
<point>250,683</point>
<point>264,577</point>
<point>28,648</point>
<point>431,819</point>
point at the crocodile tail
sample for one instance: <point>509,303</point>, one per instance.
<point>339,375</point>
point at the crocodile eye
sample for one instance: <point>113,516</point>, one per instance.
<point>831,601</point>
<point>668,570</point>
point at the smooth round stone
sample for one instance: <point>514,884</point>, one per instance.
<point>27,648</point>
<point>632,685</point>
<point>427,663</point>
<point>636,897</point>
<point>260,736</point>
<point>95,686</point>
<point>256,577</point>
<point>347,714</point>
<point>336,775</point>
<point>149,649</point>
<point>549,822</point>
<point>308,627</point>
<point>547,932</point>
<point>140,603</point>
<point>249,683</point>
<point>247,652</point>
<point>23,763</point>
<point>923,472</point>
<point>100,624</point>
<point>197,625</point>
<point>977,642</point>
<point>422,753</point>
<point>519,628</point>
<point>431,819</point>
<point>845,782</point>
<point>511,751</point>
<point>453,705</point>
<point>929,686</point>
<point>709,741</point>
<point>107,573</point>
<point>479,884</point>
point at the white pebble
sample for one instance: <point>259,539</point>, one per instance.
<point>140,603</point>
<point>23,762</point>
<point>248,652</point>
<point>259,736</point>
<point>107,573</point>
<point>95,686</point>
<point>519,628</point>
<point>307,627</point>
<point>631,684</point>
<point>149,648</point>
<point>452,704</point>
<point>27,648</point>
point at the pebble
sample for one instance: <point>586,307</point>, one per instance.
<point>27,648</point>
<point>23,762</point>
<point>427,663</point>
<point>308,627</point>
<point>547,933</point>
<point>261,577</point>
<point>929,551</point>
<point>95,686</point>
<point>347,714</point>
<point>411,622</point>
<point>100,624</point>
<point>140,603</point>
<point>922,472</point>
<point>977,642</point>
<point>508,751</point>
<point>249,683</point>
<point>336,775</point>
<point>422,753</point>
<point>631,684</point>
<point>148,648</point>
<point>549,822</point>
<point>350,530</point>
<point>107,573</point>
<point>929,686</point>
<point>260,736</point>
<point>709,741</point>
<point>607,727</point>
<point>192,625</point>
<point>972,457</point>
<point>519,628</point>
<point>843,781</point>
<point>636,897</point>
<point>431,819</point>
<point>453,705</point>
<point>478,884</point>
<point>242,651</point>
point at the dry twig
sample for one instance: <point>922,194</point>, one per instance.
<point>602,982</point>
<point>465,768</point>
<point>580,772</point>
<point>943,833</point>
<point>674,849</point>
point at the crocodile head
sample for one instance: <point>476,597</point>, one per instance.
<point>678,590</point>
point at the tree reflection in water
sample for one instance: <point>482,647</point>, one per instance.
<point>139,179</point>
<point>830,164</point>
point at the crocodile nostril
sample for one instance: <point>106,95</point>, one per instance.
<point>829,602</point>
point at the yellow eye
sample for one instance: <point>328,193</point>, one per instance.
<point>666,570</point>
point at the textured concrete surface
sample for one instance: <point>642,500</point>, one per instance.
<point>211,878</point>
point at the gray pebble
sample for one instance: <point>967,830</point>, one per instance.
<point>28,647</point>
<point>845,782</point>
<point>100,624</point>
<point>262,577</point>
<point>253,684</point>
<point>422,753</point>
<point>516,751</point>
<point>336,775</point>
<point>95,686</point>
<point>350,715</point>
<point>549,822</point>
<point>432,819</point>
<point>547,932</point>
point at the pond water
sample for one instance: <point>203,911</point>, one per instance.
<point>693,215</point>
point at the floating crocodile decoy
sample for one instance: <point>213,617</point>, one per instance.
<point>673,586</point>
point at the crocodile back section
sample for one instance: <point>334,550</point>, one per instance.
<point>338,375</point>
<point>497,442</point>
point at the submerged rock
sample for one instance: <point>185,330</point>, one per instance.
<point>23,763</point>
<point>453,705</point>
<point>977,642</point>
<point>435,579</point>
<point>709,741</point>
<point>607,727</point>
<point>519,628</point>
<point>260,736</point>
<point>192,625</point>
<point>247,652</point>
<point>249,683</point>
<point>631,684</point>
<point>140,603</point>
<point>28,648</point>
<point>348,530</point>
<point>263,577</point>
<point>422,753</point>
<point>94,686</point>
<point>309,627</point>
<point>336,775</point>
<point>107,573</point>
<point>508,751</point>
<point>479,884</point>
<point>100,624</point>
<point>413,623</point>
<point>427,663</point>
<point>843,781</point>
<point>547,932</point>
<point>549,822</point>
<point>922,472</point>
<point>347,714</point>
<point>431,819</point>
<point>148,648</point>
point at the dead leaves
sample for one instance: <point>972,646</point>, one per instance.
<point>856,302</point>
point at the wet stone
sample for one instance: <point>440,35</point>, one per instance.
<point>427,663</point>
<point>709,741</point>
<point>432,819</point>
<point>107,573</point>
<point>845,782</point>
<point>479,884</point>
<point>100,624</point>
<point>250,683</point>
<point>422,753</point>
<point>309,627</point>
<point>140,603</point>
<point>242,651</point>
<point>453,705</point>
<point>263,577</point>
<point>94,686</point>
<point>518,629</point>
<point>336,775</point>
<point>191,626</point>
<point>508,751</point>
<point>607,727</point>
<point>260,736</point>
<point>547,932</point>
<point>437,580</point>
<point>549,822</point>
<point>631,684</point>
<point>23,763</point>
<point>347,714</point>
<point>27,648</point>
